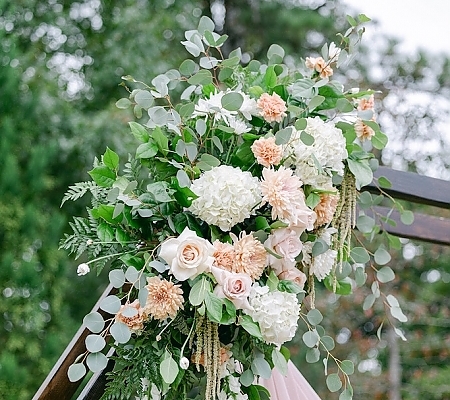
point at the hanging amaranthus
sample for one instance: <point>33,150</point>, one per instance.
<point>344,220</point>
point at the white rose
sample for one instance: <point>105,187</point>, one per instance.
<point>235,287</point>
<point>188,255</point>
<point>83,269</point>
<point>285,242</point>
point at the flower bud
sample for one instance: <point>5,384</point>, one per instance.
<point>184,363</point>
<point>83,269</point>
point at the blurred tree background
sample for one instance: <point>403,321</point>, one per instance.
<point>61,67</point>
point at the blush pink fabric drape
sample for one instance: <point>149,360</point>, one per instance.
<point>291,387</point>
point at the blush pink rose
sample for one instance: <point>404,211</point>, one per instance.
<point>234,287</point>
<point>293,275</point>
<point>286,243</point>
<point>187,255</point>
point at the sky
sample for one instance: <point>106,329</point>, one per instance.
<point>417,23</point>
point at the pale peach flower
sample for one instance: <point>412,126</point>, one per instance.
<point>282,190</point>
<point>326,208</point>
<point>366,103</point>
<point>224,357</point>
<point>136,316</point>
<point>363,131</point>
<point>235,287</point>
<point>319,65</point>
<point>267,152</point>
<point>164,298</point>
<point>224,255</point>
<point>293,275</point>
<point>286,243</point>
<point>250,255</point>
<point>273,108</point>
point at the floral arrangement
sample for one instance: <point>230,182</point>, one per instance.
<point>241,196</point>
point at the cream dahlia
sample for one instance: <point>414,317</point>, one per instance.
<point>326,208</point>
<point>164,298</point>
<point>250,255</point>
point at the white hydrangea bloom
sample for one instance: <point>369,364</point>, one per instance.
<point>314,164</point>
<point>226,196</point>
<point>276,313</point>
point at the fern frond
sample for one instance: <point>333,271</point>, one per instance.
<point>77,191</point>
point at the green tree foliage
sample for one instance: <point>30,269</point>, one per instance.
<point>61,67</point>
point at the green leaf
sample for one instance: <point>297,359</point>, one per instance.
<point>160,191</point>
<point>96,362</point>
<point>168,370</point>
<point>139,132</point>
<point>343,105</point>
<point>202,77</point>
<point>347,394</point>
<point>312,200</point>
<point>275,50</point>
<point>199,291</point>
<point>120,332</point>
<point>301,124</point>
<point>397,313</point>
<point>247,378</point>
<point>95,343</point>
<point>110,159</point>
<point>213,307</point>
<point>382,257</point>
<point>94,322</point>
<point>272,281</point>
<point>279,362</point>
<point>407,217</point>
<point>147,150</point>
<point>261,367</point>
<point>362,171</point>
<point>334,383</point>
<point>359,255</point>
<point>351,21</point>
<point>385,274</point>
<point>315,102</point>
<point>365,224</point>
<point>319,247</point>
<point>306,138</point>
<point>384,182</point>
<point>314,317</point>
<point>347,367</point>
<point>205,24</point>
<point>283,136</point>
<point>379,140</point>
<point>111,304</point>
<point>105,232</point>
<point>270,77</point>
<point>123,103</point>
<point>312,355</point>
<point>144,99</point>
<point>161,140</point>
<point>232,101</point>
<point>117,278</point>
<point>76,372</point>
<point>360,276</point>
<point>311,338</point>
<point>187,67</point>
<point>368,302</point>
<point>250,326</point>
<point>327,342</point>
<point>103,176</point>
<point>343,285</point>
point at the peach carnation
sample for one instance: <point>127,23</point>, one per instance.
<point>267,153</point>
<point>319,65</point>
<point>164,298</point>
<point>132,315</point>
<point>273,108</point>
<point>250,255</point>
<point>366,103</point>
<point>224,255</point>
<point>282,190</point>
<point>326,208</point>
<point>363,131</point>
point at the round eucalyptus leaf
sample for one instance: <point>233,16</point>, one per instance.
<point>94,322</point>
<point>382,256</point>
<point>348,367</point>
<point>310,338</point>
<point>111,304</point>
<point>117,277</point>
<point>385,274</point>
<point>95,343</point>
<point>312,355</point>
<point>132,274</point>
<point>76,372</point>
<point>327,342</point>
<point>314,317</point>
<point>120,332</point>
<point>96,361</point>
<point>334,383</point>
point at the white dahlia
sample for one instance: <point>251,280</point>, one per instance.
<point>226,196</point>
<point>276,313</point>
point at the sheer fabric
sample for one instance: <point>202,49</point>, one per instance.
<point>291,387</point>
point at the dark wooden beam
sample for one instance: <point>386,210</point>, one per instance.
<point>57,385</point>
<point>413,187</point>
